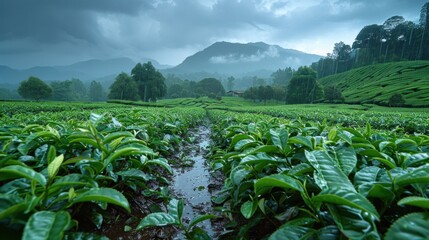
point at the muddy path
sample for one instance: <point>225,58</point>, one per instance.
<point>191,183</point>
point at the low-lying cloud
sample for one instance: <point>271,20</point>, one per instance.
<point>271,52</point>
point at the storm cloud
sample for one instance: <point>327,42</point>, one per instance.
<point>56,32</point>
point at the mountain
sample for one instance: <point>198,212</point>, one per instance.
<point>239,59</point>
<point>377,83</point>
<point>89,70</point>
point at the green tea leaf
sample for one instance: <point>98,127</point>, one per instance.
<point>199,219</point>
<point>107,195</point>
<point>248,209</point>
<point>46,225</point>
<point>411,226</point>
<point>157,219</point>
<point>280,138</point>
<point>303,140</point>
<point>417,175</point>
<point>264,184</point>
<point>341,196</point>
<point>415,201</point>
<point>163,163</point>
<point>15,171</point>
<point>291,232</point>
<point>54,166</point>
<point>353,223</point>
<point>327,173</point>
<point>175,209</point>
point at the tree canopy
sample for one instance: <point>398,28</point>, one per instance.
<point>210,86</point>
<point>96,92</point>
<point>150,82</point>
<point>395,40</point>
<point>124,88</point>
<point>34,88</point>
<point>303,87</point>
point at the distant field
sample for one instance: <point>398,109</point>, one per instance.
<point>201,102</point>
<point>377,83</point>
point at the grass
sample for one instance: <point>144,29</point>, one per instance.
<point>377,83</point>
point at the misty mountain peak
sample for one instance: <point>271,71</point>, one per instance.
<point>241,58</point>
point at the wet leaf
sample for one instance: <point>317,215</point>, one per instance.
<point>46,225</point>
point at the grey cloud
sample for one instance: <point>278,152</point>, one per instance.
<point>65,30</point>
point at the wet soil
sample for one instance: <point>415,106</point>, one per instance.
<point>191,183</point>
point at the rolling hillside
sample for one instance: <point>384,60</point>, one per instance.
<point>376,83</point>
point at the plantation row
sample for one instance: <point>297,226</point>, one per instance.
<point>289,173</point>
<point>289,180</point>
<point>408,122</point>
<point>53,165</point>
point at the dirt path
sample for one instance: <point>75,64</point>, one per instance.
<point>191,183</point>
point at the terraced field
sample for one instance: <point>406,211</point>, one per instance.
<point>377,83</point>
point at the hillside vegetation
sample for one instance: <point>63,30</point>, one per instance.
<point>377,83</point>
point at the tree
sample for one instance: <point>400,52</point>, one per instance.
<point>424,26</point>
<point>281,77</point>
<point>230,83</point>
<point>333,94</point>
<point>61,91</point>
<point>303,87</point>
<point>150,82</point>
<point>396,100</point>
<point>78,89</point>
<point>96,92</point>
<point>34,88</point>
<point>124,88</point>
<point>209,86</point>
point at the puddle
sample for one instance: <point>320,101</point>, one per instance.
<point>191,183</point>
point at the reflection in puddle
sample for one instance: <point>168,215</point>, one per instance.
<point>191,183</point>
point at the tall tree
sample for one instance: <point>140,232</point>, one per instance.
<point>96,92</point>
<point>230,83</point>
<point>209,86</point>
<point>124,88</point>
<point>150,82</point>
<point>281,77</point>
<point>303,87</point>
<point>34,88</point>
<point>79,90</point>
<point>61,90</point>
<point>424,26</point>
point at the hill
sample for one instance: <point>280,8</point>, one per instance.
<point>377,83</point>
<point>237,59</point>
<point>94,69</point>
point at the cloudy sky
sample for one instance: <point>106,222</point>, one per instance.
<point>59,32</point>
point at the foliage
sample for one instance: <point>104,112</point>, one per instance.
<point>377,83</point>
<point>281,77</point>
<point>150,82</point>
<point>175,217</point>
<point>396,100</point>
<point>303,87</point>
<point>307,171</point>
<point>54,162</point>
<point>68,90</point>
<point>264,93</point>
<point>34,88</point>
<point>333,94</point>
<point>209,86</point>
<point>395,40</point>
<point>124,88</point>
<point>313,180</point>
<point>96,92</point>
